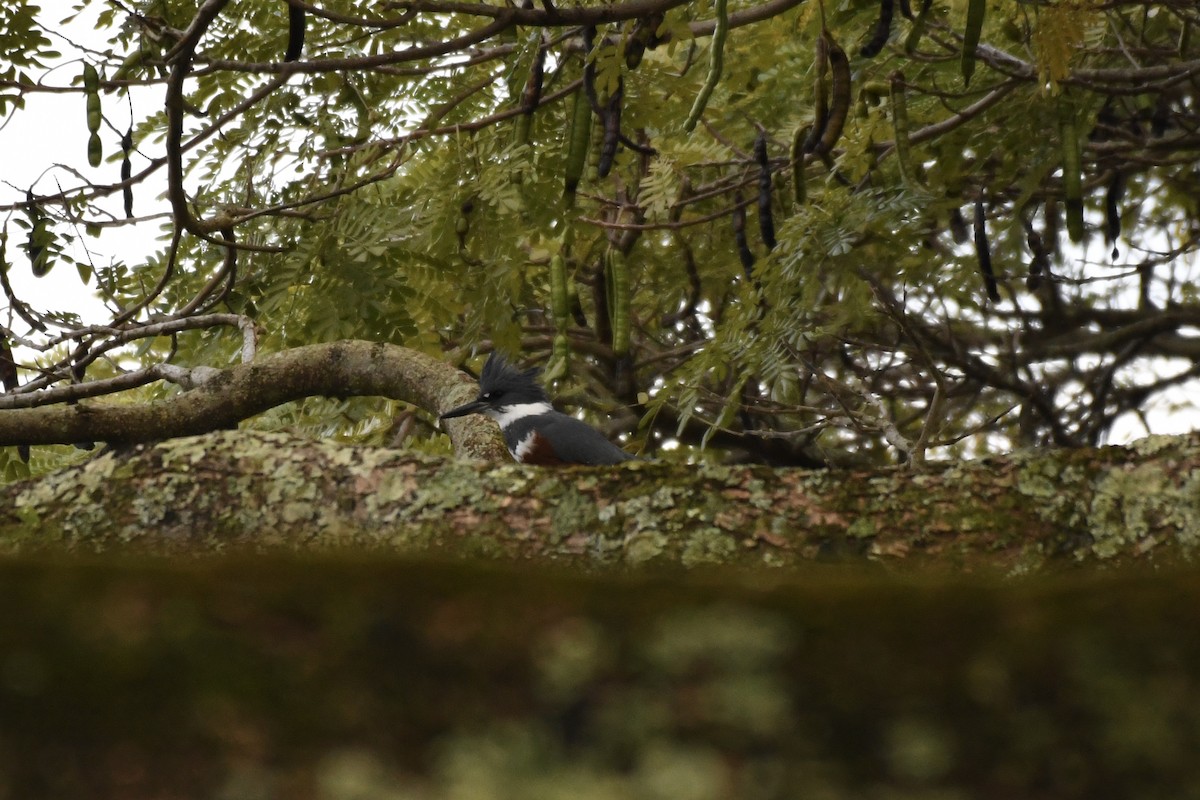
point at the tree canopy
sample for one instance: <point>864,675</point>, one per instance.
<point>791,231</point>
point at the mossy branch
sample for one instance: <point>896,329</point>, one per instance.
<point>225,397</point>
<point>1044,510</point>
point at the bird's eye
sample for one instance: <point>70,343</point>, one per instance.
<point>487,395</point>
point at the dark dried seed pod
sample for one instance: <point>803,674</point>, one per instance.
<point>883,29</point>
<point>984,252</point>
<point>766,220</point>
<point>296,25</point>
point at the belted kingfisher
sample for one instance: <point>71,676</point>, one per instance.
<point>534,432</point>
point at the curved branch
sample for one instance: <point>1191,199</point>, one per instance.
<point>226,397</point>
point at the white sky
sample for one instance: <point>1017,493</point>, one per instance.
<point>50,130</point>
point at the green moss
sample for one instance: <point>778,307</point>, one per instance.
<point>572,513</point>
<point>645,546</point>
<point>1131,503</point>
<point>708,546</point>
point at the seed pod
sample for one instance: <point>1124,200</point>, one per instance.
<point>1112,211</point>
<point>883,29</point>
<point>593,158</point>
<point>840,97</point>
<point>127,171</point>
<point>644,35</point>
<point>619,301</point>
<point>716,64</point>
<point>976,10</point>
<point>296,25</point>
<point>766,221</point>
<point>918,28</point>
<point>578,137</point>
<point>94,117</point>
<point>984,252</point>
<point>40,235</point>
<point>798,140</point>
<point>95,150</point>
<point>1072,170</point>
<point>532,93</point>
<point>91,79</point>
<point>91,88</point>
<point>612,133</point>
<point>820,95</point>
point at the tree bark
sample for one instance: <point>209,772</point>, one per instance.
<point>223,397</point>
<point>241,489</point>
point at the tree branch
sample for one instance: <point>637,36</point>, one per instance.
<point>226,397</point>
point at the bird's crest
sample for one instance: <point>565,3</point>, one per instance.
<point>502,379</point>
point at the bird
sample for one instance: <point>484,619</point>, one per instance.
<point>534,432</point>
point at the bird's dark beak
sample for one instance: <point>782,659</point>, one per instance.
<point>473,407</point>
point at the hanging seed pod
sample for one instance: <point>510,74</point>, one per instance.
<point>883,29</point>
<point>95,150</point>
<point>840,96</point>
<point>619,301</point>
<point>918,28</point>
<point>976,9</point>
<point>91,79</point>
<point>716,64</point>
<point>127,171</point>
<point>612,132</point>
<point>578,136</point>
<point>296,25</point>
<point>820,94</point>
<point>766,220</point>
<point>91,89</point>
<point>40,236</point>
<point>984,253</point>
<point>799,138</point>
<point>1072,169</point>
<point>531,95</point>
